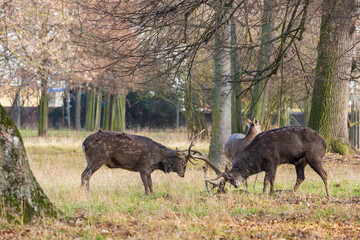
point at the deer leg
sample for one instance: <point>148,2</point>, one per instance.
<point>88,172</point>
<point>85,176</point>
<point>300,175</point>
<point>150,184</point>
<point>269,177</point>
<point>316,165</point>
<point>145,180</point>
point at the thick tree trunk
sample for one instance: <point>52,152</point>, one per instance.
<point>329,107</point>
<point>21,197</point>
<point>258,97</point>
<point>221,118</point>
<point>78,109</point>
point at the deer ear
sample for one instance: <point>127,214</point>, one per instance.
<point>248,122</point>
<point>255,121</point>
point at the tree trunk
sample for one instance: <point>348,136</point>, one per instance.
<point>113,115</point>
<point>98,110</point>
<point>329,107</point>
<point>18,110</point>
<point>118,113</point>
<point>121,112</point>
<point>221,118</point>
<point>90,110</point>
<point>307,109</point>
<point>21,197</point>
<point>258,102</point>
<point>106,115</point>
<point>236,118</point>
<point>43,109</point>
<point>68,119</point>
<point>78,109</point>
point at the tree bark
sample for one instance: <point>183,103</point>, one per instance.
<point>43,109</point>
<point>113,114</point>
<point>68,118</point>
<point>258,101</point>
<point>90,110</point>
<point>98,110</point>
<point>18,110</point>
<point>78,109</point>
<point>221,118</point>
<point>106,116</point>
<point>236,118</point>
<point>329,107</point>
<point>121,112</point>
<point>21,197</point>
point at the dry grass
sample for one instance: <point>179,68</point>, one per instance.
<point>117,208</point>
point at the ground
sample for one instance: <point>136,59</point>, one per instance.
<point>117,208</point>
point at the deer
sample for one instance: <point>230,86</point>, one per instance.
<point>237,142</point>
<point>294,145</point>
<point>131,152</point>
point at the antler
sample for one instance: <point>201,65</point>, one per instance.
<point>211,164</point>
<point>192,143</point>
<point>201,156</point>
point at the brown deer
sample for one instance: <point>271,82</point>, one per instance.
<point>294,145</point>
<point>131,152</point>
<point>237,142</point>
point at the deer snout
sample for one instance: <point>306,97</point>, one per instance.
<point>181,174</point>
<point>236,180</point>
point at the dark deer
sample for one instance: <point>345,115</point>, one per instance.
<point>131,152</point>
<point>294,145</point>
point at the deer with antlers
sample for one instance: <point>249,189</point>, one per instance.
<point>131,152</point>
<point>293,145</point>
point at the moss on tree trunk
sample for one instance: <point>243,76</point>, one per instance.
<point>329,106</point>
<point>21,197</point>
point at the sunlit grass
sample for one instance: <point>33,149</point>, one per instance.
<point>116,206</point>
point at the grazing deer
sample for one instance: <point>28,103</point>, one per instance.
<point>294,145</point>
<point>131,152</point>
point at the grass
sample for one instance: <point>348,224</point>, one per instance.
<point>117,208</point>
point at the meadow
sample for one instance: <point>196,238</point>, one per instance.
<point>180,208</point>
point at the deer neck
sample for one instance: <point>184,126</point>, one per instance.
<point>246,167</point>
<point>252,133</point>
